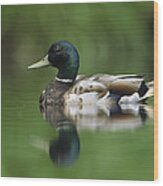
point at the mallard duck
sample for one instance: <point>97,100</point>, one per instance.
<point>70,88</point>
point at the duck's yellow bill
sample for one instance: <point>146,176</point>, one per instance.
<point>40,64</point>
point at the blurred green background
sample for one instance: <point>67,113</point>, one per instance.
<point>111,38</point>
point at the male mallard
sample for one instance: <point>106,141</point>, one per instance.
<point>68,88</point>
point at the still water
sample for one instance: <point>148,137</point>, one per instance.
<point>90,142</point>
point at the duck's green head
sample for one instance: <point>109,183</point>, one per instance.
<point>64,56</point>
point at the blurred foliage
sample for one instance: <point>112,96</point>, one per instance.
<point>111,38</point>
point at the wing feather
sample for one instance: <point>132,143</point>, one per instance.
<point>124,84</point>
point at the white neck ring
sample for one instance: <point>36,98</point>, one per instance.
<point>64,80</point>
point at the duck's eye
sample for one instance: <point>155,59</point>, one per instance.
<point>58,48</point>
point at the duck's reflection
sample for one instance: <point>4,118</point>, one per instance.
<point>67,121</point>
<point>65,150</point>
<point>110,117</point>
